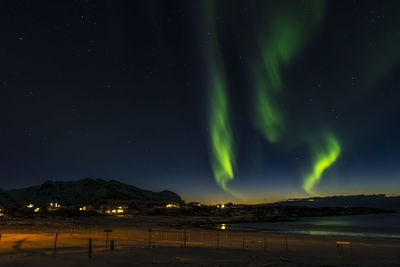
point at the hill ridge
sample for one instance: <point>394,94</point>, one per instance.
<point>84,191</point>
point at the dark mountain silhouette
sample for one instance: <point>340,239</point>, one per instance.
<point>380,201</point>
<point>5,199</point>
<point>86,191</point>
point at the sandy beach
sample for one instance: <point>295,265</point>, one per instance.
<point>173,242</point>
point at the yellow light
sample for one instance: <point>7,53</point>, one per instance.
<point>51,204</point>
<point>120,210</point>
<point>80,208</point>
<point>114,211</point>
<point>223,226</point>
<point>171,205</point>
<point>30,206</point>
<point>222,206</point>
<point>37,209</point>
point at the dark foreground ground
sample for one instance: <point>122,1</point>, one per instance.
<point>31,243</point>
<point>174,256</point>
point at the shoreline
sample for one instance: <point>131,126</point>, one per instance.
<point>174,241</point>
<point>186,222</point>
<point>24,248</point>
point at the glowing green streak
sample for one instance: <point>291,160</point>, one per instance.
<point>222,151</point>
<point>286,33</point>
<point>324,156</point>
<point>268,116</point>
<point>221,134</point>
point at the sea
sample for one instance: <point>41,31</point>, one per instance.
<point>383,225</point>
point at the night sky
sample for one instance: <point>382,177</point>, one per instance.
<point>244,101</point>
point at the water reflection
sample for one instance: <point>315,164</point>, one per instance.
<point>222,226</point>
<point>371,225</point>
<point>331,221</point>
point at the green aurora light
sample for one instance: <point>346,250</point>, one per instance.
<point>323,157</point>
<point>221,135</point>
<point>285,35</point>
<point>222,142</point>
<point>269,119</point>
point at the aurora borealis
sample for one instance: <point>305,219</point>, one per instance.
<point>244,101</point>
<point>286,30</point>
<point>221,136</point>
<point>323,156</point>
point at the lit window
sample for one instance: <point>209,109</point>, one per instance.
<point>171,205</point>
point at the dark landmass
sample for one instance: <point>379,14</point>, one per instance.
<point>254,213</point>
<point>379,201</point>
<point>84,192</point>
<point>93,197</point>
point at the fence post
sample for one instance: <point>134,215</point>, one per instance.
<point>112,245</point>
<point>265,242</point>
<point>105,249</point>
<point>149,237</point>
<point>90,247</point>
<point>184,239</point>
<point>55,244</point>
<point>217,238</point>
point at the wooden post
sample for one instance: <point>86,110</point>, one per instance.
<point>265,242</point>
<point>218,238</point>
<point>105,249</point>
<point>55,244</point>
<point>112,245</point>
<point>107,231</point>
<point>90,247</point>
<point>149,237</point>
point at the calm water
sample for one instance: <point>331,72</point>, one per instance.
<point>370,225</point>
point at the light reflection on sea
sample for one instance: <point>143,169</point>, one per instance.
<point>370,225</point>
